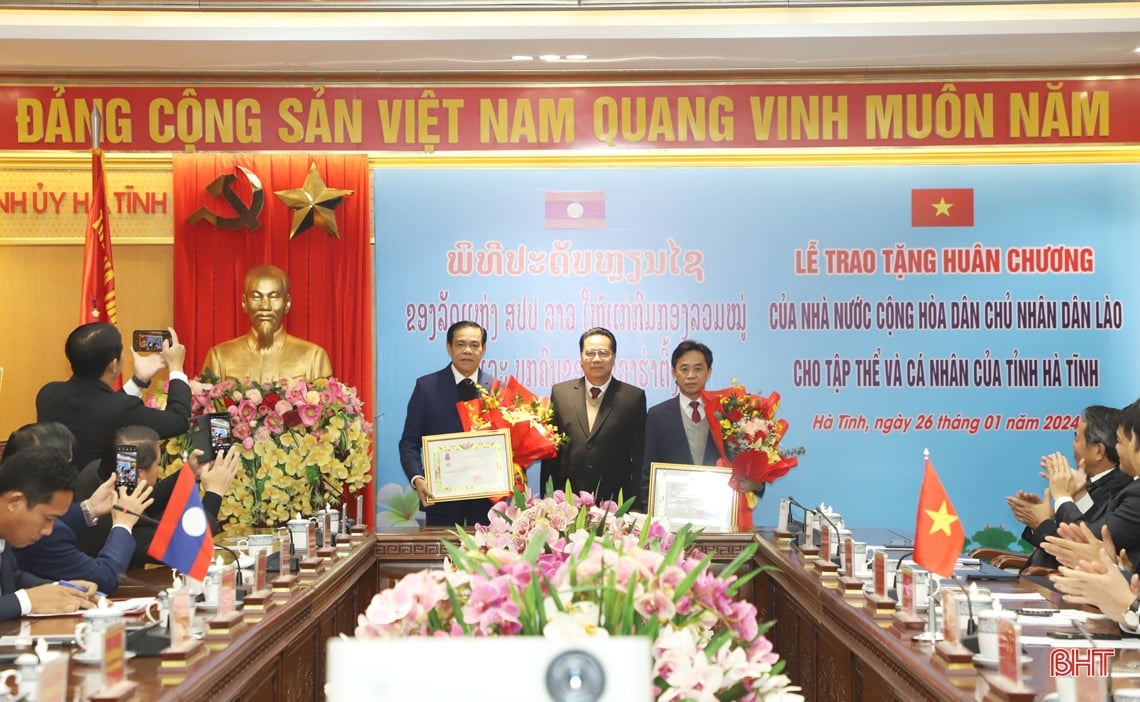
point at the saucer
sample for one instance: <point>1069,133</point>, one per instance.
<point>82,657</point>
<point>987,662</point>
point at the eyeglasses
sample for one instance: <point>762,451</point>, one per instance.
<point>598,353</point>
<point>464,345</point>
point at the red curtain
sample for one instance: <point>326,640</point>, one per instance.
<point>330,279</point>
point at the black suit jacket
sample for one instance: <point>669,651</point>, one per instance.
<point>1101,492</point>
<point>12,579</point>
<point>666,442</point>
<point>1121,514</point>
<point>431,410</point>
<point>94,412</point>
<point>607,459</point>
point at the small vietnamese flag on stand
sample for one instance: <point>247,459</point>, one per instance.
<point>938,533</point>
<point>183,539</point>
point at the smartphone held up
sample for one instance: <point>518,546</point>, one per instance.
<point>150,340</point>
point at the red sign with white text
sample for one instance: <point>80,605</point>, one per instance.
<point>578,117</point>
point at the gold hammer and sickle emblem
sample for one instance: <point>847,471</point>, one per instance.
<point>245,215</point>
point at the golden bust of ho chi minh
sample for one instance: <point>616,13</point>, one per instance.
<point>266,353</point>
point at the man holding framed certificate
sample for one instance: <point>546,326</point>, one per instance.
<point>676,430</point>
<point>432,411</point>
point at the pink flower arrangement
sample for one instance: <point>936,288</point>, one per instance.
<point>566,566</point>
<point>303,443</point>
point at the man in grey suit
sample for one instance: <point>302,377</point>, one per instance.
<point>677,430</point>
<point>605,421</point>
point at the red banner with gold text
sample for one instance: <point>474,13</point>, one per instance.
<point>578,117</point>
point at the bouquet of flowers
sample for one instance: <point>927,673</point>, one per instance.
<point>303,444</point>
<point>566,567</point>
<point>748,435</point>
<point>528,417</point>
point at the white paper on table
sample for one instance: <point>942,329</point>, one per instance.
<point>1017,596</point>
<point>1126,643</point>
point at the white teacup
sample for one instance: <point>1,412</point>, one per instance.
<point>299,533</point>
<point>155,613</point>
<point>988,628</point>
<point>255,543</point>
<point>859,558</point>
<point>926,587</point>
<point>89,632</point>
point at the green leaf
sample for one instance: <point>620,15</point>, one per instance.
<point>457,609</point>
<point>685,585</point>
<point>739,583</point>
<point>535,546</point>
<point>742,558</point>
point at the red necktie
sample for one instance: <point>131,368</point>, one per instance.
<point>696,415</point>
<point>594,392</point>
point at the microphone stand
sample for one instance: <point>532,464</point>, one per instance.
<point>1092,646</point>
<point>240,591</point>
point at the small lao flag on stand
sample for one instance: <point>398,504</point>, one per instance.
<point>183,540</point>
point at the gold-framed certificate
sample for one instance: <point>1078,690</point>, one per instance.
<point>698,495</point>
<point>468,465</point>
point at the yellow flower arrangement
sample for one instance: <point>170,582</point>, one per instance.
<point>303,443</point>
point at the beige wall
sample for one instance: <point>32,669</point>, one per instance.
<point>39,287</point>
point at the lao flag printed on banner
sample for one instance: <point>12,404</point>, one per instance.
<point>942,207</point>
<point>183,540</point>
<point>575,210</point>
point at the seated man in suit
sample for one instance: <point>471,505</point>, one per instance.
<point>35,489</point>
<point>431,411</point>
<point>1094,450</point>
<point>676,430</point>
<point>1121,516</point>
<point>604,419</point>
<point>57,555</point>
<point>88,406</point>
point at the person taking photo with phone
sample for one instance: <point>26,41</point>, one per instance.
<point>88,405</point>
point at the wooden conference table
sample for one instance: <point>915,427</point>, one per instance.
<point>834,648</point>
<point>281,657</point>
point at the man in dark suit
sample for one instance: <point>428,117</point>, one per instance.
<point>1122,513</point>
<point>1094,450</point>
<point>88,406</point>
<point>604,419</point>
<point>35,489</point>
<point>431,411</point>
<point>676,430</point>
<point>57,556</point>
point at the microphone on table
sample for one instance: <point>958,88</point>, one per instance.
<point>240,594</point>
<point>898,566</point>
<point>971,623</point>
<point>141,517</point>
<point>1092,646</point>
<point>806,509</point>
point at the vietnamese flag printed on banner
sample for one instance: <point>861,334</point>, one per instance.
<point>938,533</point>
<point>575,210</point>
<point>942,207</point>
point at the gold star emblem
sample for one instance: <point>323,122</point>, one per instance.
<point>941,520</point>
<point>942,207</point>
<point>313,204</point>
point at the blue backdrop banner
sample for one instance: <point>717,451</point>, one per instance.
<point>969,310</point>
